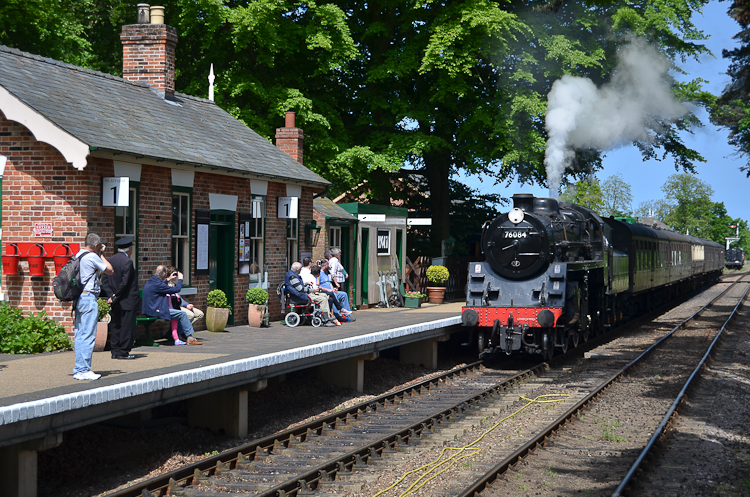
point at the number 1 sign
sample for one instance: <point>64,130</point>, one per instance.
<point>115,192</point>
<point>288,207</point>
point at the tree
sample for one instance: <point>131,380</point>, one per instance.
<point>617,197</point>
<point>692,209</point>
<point>731,109</point>
<point>587,193</point>
<point>658,209</point>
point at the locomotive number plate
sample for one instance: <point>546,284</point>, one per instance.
<point>515,234</point>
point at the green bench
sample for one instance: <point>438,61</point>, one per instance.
<point>147,341</point>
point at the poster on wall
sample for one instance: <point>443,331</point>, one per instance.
<point>202,221</point>
<point>384,242</point>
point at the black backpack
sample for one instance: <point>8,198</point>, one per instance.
<point>67,284</point>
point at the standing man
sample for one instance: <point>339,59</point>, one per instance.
<point>92,264</point>
<point>338,273</point>
<point>121,290</point>
<point>156,303</point>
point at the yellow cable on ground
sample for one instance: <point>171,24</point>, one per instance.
<point>470,451</point>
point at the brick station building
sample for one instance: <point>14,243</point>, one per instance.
<point>195,187</point>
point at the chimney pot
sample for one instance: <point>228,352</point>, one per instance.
<point>143,13</point>
<point>289,119</point>
<point>157,15</point>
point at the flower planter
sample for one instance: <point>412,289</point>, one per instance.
<point>101,336</point>
<point>216,318</point>
<point>412,302</point>
<point>255,315</point>
<point>436,294</point>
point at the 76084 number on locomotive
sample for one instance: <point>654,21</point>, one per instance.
<point>556,274</point>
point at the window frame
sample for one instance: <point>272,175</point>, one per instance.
<point>186,239</point>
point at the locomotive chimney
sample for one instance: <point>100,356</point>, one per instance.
<point>524,201</point>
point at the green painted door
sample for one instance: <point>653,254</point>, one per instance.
<point>221,255</point>
<point>365,264</point>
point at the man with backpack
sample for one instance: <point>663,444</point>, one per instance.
<point>92,264</point>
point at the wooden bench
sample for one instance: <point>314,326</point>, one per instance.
<point>147,321</point>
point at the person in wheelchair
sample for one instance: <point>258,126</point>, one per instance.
<point>301,293</point>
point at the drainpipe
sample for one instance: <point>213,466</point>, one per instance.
<point>3,160</point>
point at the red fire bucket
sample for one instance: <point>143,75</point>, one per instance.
<point>61,260</point>
<point>10,261</point>
<point>36,262</point>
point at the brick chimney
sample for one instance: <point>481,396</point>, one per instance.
<point>148,50</point>
<point>289,139</point>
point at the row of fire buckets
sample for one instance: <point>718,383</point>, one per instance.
<point>36,262</point>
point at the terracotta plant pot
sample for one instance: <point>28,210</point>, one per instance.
<point>216,318</point>
<point>101,336</point>
<point>255,314</point>
<point>436,294</point>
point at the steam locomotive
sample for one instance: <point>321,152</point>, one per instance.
<point>735,258</point>
<point>557,274</point>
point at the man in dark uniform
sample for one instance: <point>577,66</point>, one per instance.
<point>121,291</point>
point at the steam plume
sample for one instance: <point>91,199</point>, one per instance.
<point>580,115</point>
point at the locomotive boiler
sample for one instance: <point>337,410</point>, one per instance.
<point>556,273</point>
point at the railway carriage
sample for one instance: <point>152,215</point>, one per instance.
<point>557,273</point>
<point>735,258</point>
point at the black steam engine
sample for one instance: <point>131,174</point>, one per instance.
<point>735,258</point>
<point>557,273</point>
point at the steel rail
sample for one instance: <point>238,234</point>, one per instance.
<point>229,458</point>
<point>661,429</point>
<point>539,440</point>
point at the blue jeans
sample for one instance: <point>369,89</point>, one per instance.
<point>84,331</point>
<point>184,324</point>
<point>343,299</point>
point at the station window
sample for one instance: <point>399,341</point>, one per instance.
<point>256,238</point>
<point>126,221</point>
<point>292,241</point>
<point>181,233</point>
<point>334,237</point>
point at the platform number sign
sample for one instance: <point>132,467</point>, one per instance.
<point>115,192</point>
<point>288,207</point>
<point>384,242</point>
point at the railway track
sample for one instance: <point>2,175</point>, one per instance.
<point>603,442</point>
<point>453,429</point>
<point>324,448</point>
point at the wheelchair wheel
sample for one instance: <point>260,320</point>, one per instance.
<point>292,319</point>
<point>316,321</point>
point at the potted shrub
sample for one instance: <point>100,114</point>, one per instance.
<point>413,299</point>
<point>217,310</point>
<point>102,325</point>
<point>257,298</point>
<point>437,276</point>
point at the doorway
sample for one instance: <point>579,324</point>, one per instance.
<point>221,255</point>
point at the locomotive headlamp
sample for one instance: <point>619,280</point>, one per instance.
<point>515,215</point>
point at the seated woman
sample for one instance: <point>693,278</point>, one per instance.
<point>177,302</point>
<point>340,300</point>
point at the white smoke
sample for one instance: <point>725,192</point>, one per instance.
<point>580,115</point>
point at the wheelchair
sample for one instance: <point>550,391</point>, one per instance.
<point>302,312</point>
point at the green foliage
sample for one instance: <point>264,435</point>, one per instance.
<point>587,193</point>
<point>217,298</point>
<point>256,296</point>
<point>437,275</point>
<point>415,295</point>
<point>32,334</point>
<point>104,308</point>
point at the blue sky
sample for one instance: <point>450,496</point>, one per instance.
<point>721,170</point>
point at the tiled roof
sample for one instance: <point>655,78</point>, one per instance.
<point>332,211</point>
<point>112,114</point>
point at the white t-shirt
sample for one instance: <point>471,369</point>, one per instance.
<point>90,269</point>
<point>307,277</point>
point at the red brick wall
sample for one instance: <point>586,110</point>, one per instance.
<point>39,186</point>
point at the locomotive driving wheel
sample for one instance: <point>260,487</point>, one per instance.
<point>564,339</point>
<point>548,344</point>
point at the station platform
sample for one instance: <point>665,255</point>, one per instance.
<point>39,396</point>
